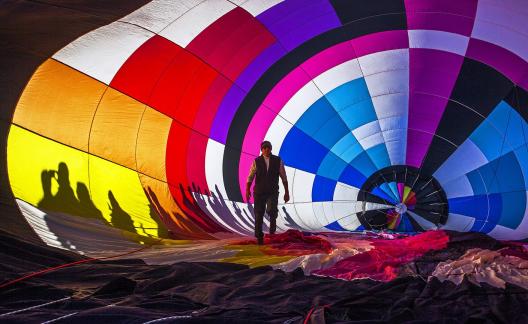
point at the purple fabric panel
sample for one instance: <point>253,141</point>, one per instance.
<point>502,60</point>
<point>295,21</point>
<point>459,7</point>
<point>451,16</point>
<point>417,145</point>
<point>225,114</point>
<point>440,21</point>
<point>432,76</point>
<point>433,71</point>
<point>261,64</point>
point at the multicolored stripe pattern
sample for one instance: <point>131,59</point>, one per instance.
<point>160,114</point>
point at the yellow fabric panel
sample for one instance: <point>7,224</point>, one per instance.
<point>253,256</point>
<point>59,103</point>
<point>115,128</point>
<point>158,193</point>
<point>33,167</point>
<point>152,144</point>
<point>118,192</point>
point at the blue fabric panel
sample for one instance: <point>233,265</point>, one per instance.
<point>405,224</point>
<point>503,175</point>
<point>352,177</point>
<point>331,166</point>
<point>379,155</point>
<point>394,188</point>
<point>352,153</point>
<point>348,141</point>
<point>387,190</point>
<point>316,116</point>
<point>477,184</point>
<point>348,94</point>
<point>301,151</point>
<point>364,164</point>
<point>487,138</point>
<point>495,209</point>
<point>516,130</point>
<point>380,193</point>
<point>474,206</point>
<point>323,189</point>
<point>522,156</point>
<point>360,228</point>
<point>335,227</point>
<point>359,114</point>
<point>513,208</point>
<point>331,132</point>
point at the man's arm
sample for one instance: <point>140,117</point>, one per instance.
<point>250,178</point>
<point>284,178</point>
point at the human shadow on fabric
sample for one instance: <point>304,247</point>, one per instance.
<point>118,217</point>
<point>65,200</point>
<point>159,215</point>
<point>288,220</point>
<point>199,216</point>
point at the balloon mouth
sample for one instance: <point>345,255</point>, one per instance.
<point>407,200</point>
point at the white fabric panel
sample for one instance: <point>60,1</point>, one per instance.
<point>302,186</point>
<point>187,27</point>
<point>369,135</point>
<point>158,14</point>
<point>328,207</point>
<point>338,75</point>
<point>344,209</point>
<point>214,155</point>
<point>459,187</point>
<point>288,217</point>
<point>319,212</point>
<point>424,223</point>
<point>395,81</point>
<point>277,132</point>
<point>101,53</point>
<point>502,36</point>
<point>466,158</point>
<point>290,174</point>
<point>345,192</point>
<point>308,217</point>
<point>457,222</point>
<point>36,218</point>
<point>300,102</point>
<point>350,222</point>
<point>225,217</point>
<point>393,104</point>
<point>256,7</point>
<point>438,40</point>
<point>505,233</point>
<point>375,206</point>
<point>396,144</point>
<point>384,61</point>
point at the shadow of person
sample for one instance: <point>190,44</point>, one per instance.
<point>288,220</point>
<point>118,217</point>
<point>157,213</point>
<point>87,207</point>
<point>64,200</point>
<point>193,210</point>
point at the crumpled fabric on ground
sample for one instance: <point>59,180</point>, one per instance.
<point>485,266</point>
<point>385,259</point>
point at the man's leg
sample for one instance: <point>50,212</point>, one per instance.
<point>273,211</point>
<point>260,207</point>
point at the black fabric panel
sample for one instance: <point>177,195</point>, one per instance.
<point>349,11</point>
<point>279,70</point>
<point>477,91</point>
<point>518,99</point>
<point>30,33</point>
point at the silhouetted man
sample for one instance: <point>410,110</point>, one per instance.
<point>266,170</point>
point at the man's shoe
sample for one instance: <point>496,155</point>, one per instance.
<point>260,241</point>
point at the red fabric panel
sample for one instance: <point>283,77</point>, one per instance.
<point>210,103</point>
<point>232,42</point>
<point>180,186</point>
<point>182,87</point>
<point>141,71</point>
<point>196,162</point>
<point>384,260</point>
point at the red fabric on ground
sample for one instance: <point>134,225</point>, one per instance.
<point>384,260</point>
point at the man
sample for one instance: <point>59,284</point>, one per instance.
<point>266,170</point>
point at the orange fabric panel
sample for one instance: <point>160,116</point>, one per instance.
<point>115,128</point>
<point>59,102</point>
<point>152,144</point>
<point>160,199</point>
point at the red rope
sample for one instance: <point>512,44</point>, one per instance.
<point>34,274</point>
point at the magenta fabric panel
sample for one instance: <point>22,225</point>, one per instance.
<point>379,42</point>
<point>502,60</point>
<point>432,77</point>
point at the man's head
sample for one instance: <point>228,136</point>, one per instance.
<point>265,147</point>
